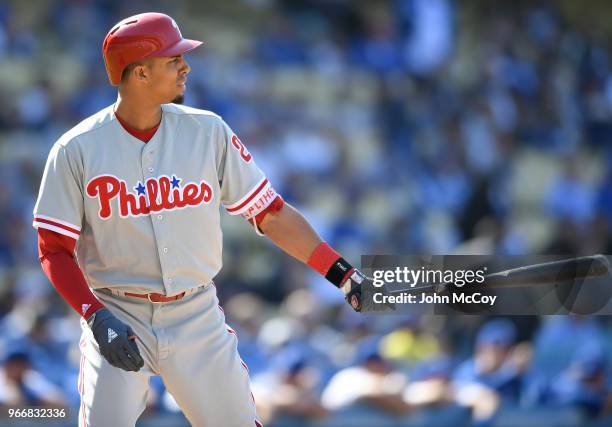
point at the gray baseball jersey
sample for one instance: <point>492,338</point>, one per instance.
<point>147,216</point>
<point>147,219</point>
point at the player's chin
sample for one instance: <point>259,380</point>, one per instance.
<point>179,95</point>
<point>178,99</point>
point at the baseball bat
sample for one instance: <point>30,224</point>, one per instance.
<point>550,272</point>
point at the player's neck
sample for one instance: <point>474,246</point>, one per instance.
<point>138,113</point>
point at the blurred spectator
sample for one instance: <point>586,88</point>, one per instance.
<point>430,384</point>
<point>289,390</point>
<point>20,385</point>
<point>557,342</point>
<point>371,382</point>
<point>48,352</point>
<point>571,198</point>
<point>583,384</point>
<point>407,344</point>
<point>495,371</point>
<point>430,39</point>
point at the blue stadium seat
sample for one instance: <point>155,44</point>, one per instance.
<point>538,417</point>
<point>364,416</point>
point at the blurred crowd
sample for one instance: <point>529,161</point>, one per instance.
<point>397,127</point>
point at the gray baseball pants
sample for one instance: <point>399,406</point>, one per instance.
<point>188,344</point>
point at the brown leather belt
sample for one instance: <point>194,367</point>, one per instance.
<point>155,297</point>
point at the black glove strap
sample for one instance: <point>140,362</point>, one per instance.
<point>338,271</point>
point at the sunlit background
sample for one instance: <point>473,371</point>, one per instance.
<point>396,127</point>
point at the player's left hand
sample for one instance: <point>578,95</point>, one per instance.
<point>359,292</point>
<point>352,289</point>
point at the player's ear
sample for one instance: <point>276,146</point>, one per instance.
<point>136,71</point>
<point>142,72</point>
<point>146,70</point>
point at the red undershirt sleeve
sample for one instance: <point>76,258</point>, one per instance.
<point>55,252</point>
<point>276,205</point>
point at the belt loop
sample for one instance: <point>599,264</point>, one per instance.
<point>197,289</point>
<point>204,287</point>
<point>115,292</point>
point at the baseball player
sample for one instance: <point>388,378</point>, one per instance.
<point>129,235</point>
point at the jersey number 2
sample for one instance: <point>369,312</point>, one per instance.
<point>244,153</point>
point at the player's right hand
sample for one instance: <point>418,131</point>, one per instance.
<point>116,341</point>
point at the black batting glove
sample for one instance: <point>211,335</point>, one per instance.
<point>116,341</point>
<point>352,289</point>
<point>359,290</point>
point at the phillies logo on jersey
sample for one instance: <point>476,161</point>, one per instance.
<point>159,194</point>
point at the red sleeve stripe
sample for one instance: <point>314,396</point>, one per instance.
<point>54,226</point>
<point>55,221</point>
<point>237,207</point>
<point>59,224</point>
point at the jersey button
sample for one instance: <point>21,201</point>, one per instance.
<point>165,250</point>
<point>150,169</point>
<point>160,217</point>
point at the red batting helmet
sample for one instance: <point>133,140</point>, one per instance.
<point>139,37</point>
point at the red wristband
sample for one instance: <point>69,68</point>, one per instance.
<point>330,264</point>
<point>322,258</point>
